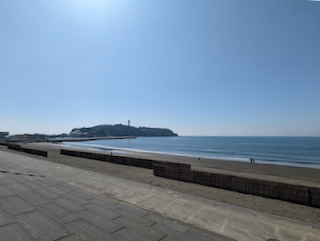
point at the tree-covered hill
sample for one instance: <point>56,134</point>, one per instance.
<point>120,130</point>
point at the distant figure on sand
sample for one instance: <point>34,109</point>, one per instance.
<point>252,161</point>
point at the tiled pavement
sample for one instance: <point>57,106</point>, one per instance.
<point>35,207</point>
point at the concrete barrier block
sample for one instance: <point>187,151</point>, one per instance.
<point>220,181</point>
<point>173,164</point>
<point>127,161</point>
<point>134,162</point>
<point>140,163</point>
<point>186,175</point>
<point>14,147</point>
<point>104,158</point>
<point>315,197</point>
<point>269,189</point>
<point>184,166</point>
<point>120,160</point>
<point>160,170</point>
<point>173,172</point>
<point>293,193</point>
<point>149,164</point>
<point>144,163</point>
<point>238,184</point>
<point>203,178</point>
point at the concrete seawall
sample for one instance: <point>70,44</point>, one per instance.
<point>27,150</point>
<point>305,195</point>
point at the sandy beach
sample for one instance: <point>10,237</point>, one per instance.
<point>297,175</point>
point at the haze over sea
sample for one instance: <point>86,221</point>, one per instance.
<point>296,151</point>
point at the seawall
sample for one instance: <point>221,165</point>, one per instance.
<point>305,195</point>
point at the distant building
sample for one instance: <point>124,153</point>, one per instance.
<point>3,134</point>
<point>128,122</point>
<point>75,132</point>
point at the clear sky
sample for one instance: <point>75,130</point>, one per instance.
<point>198,67</point>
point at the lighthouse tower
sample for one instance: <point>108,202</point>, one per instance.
<point>128,122</point>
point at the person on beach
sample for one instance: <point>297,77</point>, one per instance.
<point>251,160</point>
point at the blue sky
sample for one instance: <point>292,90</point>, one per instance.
<point>205,67</point>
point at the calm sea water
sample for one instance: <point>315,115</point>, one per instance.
<point>297,151</point>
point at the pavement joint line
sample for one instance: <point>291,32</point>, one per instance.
<point>64,223</point>
<point>164,237</point>
<point>64,236</point>
<point>146,198</point>
<point>6,224</point>
<point>72,221</point>
<point>119,229</point>
<point>117,217</point>
<point>35,210</point>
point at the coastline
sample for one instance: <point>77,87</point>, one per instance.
<point>270,172</point>
<point>226,148</point>
<point>267,171</point>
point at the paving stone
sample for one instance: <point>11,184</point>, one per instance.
<point>8,232</point>
<point>130,235</point>
<point>68,186</point>
<point>75,199</point>
<point>146,231</point>
<point>41,227</point>
<point>102,211</point>
<point>19,187</point>
<point>40,183</point>
<point>135,218</point>
<point>5,192</point>
<point>68,205</point>
<point>83,194</point>
<point>74,237</point>
<point>32,185</point>
<point>49,181</point>
<point>60,214</point>
<point>2,175</point>
<point>5,208</point>
<point>18,205</point>
<point>105,203</point>
<point>131,210</point>
<point>168,223</point>
<point>201,236</point>
<point>6,180</point>
<point>47,193</point>
<point>171,232</point>
<point>169,238</point>
<point>59,189</point>
<point>34,198</point>
<point>5,219</point>
<point>100,221</point>
<point>14,178</point>
<point>90,231</point>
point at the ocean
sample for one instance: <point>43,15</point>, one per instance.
<point>293,151</point>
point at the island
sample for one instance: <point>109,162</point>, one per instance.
<point>120,130</point>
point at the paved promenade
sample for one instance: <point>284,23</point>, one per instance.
<point>36,207</point>
<point>40,200</point>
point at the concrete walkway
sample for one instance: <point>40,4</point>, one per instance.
<point>64,203</point>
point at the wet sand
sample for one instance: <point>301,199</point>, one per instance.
<point>297,175</point>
